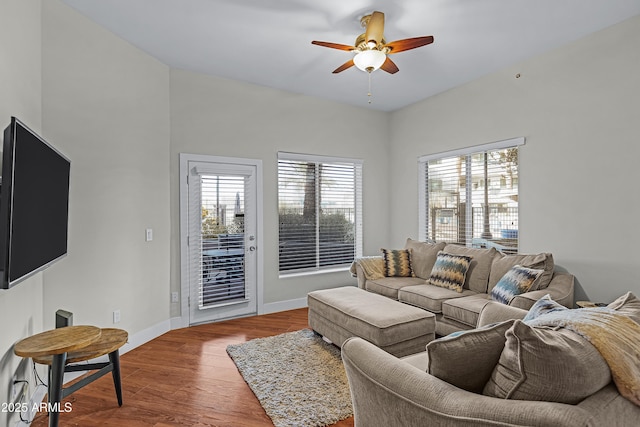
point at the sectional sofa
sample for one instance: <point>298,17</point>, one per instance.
<point>459,309</point>
<point>517,372</point>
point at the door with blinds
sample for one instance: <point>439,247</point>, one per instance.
<point>222,240</point>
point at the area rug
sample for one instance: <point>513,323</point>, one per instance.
<point>298,378</point>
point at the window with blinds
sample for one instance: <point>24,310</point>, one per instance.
<point>320,212</point>
<point>470,196</point>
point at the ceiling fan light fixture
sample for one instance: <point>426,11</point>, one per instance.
<point>369,60</point>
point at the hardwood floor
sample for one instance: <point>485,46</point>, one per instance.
<point>182,378</point>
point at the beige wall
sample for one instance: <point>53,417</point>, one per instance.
<point>220,117</point>
<point>105,104</point>
<point>578,108</point>
<point>20,96</point>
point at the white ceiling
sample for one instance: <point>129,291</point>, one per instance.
<point>268,42</point>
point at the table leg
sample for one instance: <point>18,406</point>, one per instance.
<point>55,387</point>
<point>114,358</point>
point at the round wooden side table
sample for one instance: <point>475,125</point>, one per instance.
<point>62,346</point>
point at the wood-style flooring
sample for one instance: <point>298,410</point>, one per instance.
<point>182,378</point>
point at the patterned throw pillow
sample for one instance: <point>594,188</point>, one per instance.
<point>543,306</point>
<point>397,262</point>
<point>517,281</point>
<point>450,270</point>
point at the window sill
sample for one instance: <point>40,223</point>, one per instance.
<point>313,272</point>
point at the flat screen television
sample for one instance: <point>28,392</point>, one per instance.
<point>34,204</point>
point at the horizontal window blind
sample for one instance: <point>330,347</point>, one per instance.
<point>471,197</point>
<point>319,209</point>
<point>221,240</point>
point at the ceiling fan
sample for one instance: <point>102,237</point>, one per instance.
<point>371,49</point>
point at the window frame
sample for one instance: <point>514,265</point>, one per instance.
<point>357,207</point>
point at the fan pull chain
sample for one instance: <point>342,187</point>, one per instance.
<point>369,92</point>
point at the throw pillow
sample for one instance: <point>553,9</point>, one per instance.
<point>544,364</point>
<point>542,306</point>
<point>468,358</point>
<point>397,262</point>
<point>503,263</point>
<point>449,271</point>
<point>627,304</point>
<point>517,281</point>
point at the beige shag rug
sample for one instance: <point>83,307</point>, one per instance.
<point>298,378</point>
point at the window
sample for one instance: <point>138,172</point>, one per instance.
<point>470,196</point>
<point>320,212</point>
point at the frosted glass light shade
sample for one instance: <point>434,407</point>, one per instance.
<point>369,60</point>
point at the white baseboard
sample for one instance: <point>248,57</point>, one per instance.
<point>291,304</point>
<point>177,323</point>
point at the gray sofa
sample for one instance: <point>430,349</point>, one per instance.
<point>417,391</point>
<point>457,311</point>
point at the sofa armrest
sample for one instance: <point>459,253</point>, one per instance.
<point>494,312</point>
<point>362,280</point>
<point>560,289</point>
<point>386,391</point>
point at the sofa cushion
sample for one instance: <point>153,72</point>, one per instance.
<point>389,286</point>
<point>478,275</point>
<point>429,297</point>
<point>423,256</point>
<point>517,281</point>
<point>465,310</point>
<point>503,263</point>
<point>397,262</point>
<point>467,359</point>
<point>450,271</point>
<point>544,364</point>
<point>418,360</point>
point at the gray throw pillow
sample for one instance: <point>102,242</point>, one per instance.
<point>467,359</point>
<point>544,364</point>
<point>627,304</point>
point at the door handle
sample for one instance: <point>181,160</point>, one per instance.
<point>252,248</point>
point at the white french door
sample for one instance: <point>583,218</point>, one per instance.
<point>222,245</point>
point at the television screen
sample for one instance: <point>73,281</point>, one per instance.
<point>34,204</point>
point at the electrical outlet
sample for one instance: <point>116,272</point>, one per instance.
<point>116,316</point>
<point>174,297</point>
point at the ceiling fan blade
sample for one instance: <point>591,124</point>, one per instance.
<point>344,66</point>
<point>389,66</point>
<point>375,28</point>
<point>406,44</point>
<point>334,45</point>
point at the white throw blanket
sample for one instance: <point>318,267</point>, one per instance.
<point>615,336</point>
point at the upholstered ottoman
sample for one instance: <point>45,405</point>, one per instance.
<point>397,328</point>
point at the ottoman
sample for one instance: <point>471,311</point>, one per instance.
<point>397,328</point>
